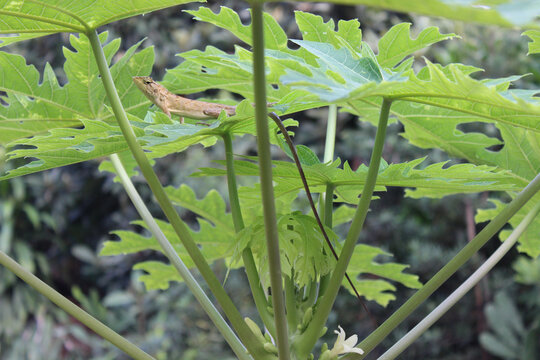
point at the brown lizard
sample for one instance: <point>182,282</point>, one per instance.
<point>171,103</point>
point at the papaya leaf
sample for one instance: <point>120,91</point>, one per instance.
<point>397,43</point>
<point>534,45</point>
<point>363,262</point>
<point>69,124</point>
<point>214,236</point>
<point>450,88</point>
<point>507,13</point>
<point>30,19</point>
<point>433,181</point>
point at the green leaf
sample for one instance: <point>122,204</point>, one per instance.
<point>46,112</point>
<point>274,36</point>
<point>529,242</point>
<point>313,28</point>
<point>507,333</point>
<point>534,46</point>
<point>397,43</point>
<point>214,236</point>
<point>508,13</point>
<point>363,262</point>
<point>29,19</point>
<point>434,181</point>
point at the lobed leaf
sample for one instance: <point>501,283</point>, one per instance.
<point>534,46</point>
<point>507,13</point>
<point>397,43</point>
<point>30,18</point>
<point>363,263</point>
<point>434,181</point>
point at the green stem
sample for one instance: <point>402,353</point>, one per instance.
<point>315,327</point>
<point>290,299</point>
<point>247,256</point>
<point>328,205</point>
<point>265,171</point>
<point>175,260</point>
<point>451,300</point>
<point>326,202</point>
<point>449,269</point>
<point>249,339</point>
<point>310,294</point>
<point>330,141</point>
<point>327,212</point>
<point>72,309</point>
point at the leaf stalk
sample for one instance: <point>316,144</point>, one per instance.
<point>265,173</point>
<point>449,269</point>
<point>92,323</point>
<point>179,265</point>
<point>247,256</point>
<point>462,290</point>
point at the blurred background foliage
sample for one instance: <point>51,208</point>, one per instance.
<point>54,222</point>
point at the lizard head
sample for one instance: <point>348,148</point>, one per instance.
<point>147,85</point>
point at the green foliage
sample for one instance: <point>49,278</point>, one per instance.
<point>509,338</point>
<point>30,19</point>
<point>52,125</point>
<point>435,180</point>
<point>534,46</point>
<point>507,13</point>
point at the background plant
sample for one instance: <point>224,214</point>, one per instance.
<point>83,146</point>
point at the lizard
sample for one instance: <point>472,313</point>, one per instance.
<point>171,103</point>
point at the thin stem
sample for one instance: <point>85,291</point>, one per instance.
<point>179,265</point>
<point>331,126</point>
<point>72,309</point>
<point>328,205</point>
<point>247,256</point>
<point>265,170</point>
<point>254,346</point>
<point>451,300</point>
<point>327,213</point>
<point>449,269</point>
<point>314,329</point>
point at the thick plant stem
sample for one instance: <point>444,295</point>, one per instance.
<point>290,300</point>
<point>265,171</point>
<point>328,206</point>
<point>449,269</point>
<point>313,331</point>
<point>72,309</point>
<point>451,300</point>
<point>247,256</point>
<point>178,264</point>
<point>249,339</point>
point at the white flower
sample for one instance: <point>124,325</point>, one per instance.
<point>342,346</point>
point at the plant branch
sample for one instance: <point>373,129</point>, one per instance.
<point>451,300</point>
<point>95,325</point>
<point>249,339</point>
<point>265,170</point>
<point>175,260</point>
<point>312,333</point>
<point>449,269</point>
<point>247,256</point>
